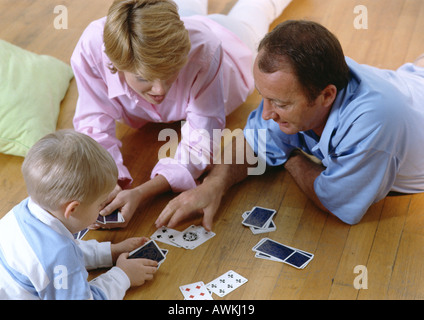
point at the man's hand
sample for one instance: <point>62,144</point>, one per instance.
<point>204,199</point>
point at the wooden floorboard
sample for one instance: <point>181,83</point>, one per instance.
<point>389,241</point>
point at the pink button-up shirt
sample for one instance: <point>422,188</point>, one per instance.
<point>216,80</point>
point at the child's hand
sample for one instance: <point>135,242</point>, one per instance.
<point>127,245</point>
<point>137,270</point>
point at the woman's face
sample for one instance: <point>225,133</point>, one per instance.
<point>153,92</point>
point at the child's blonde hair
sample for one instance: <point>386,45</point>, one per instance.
<point>146,38</point>
<point>66,166</point>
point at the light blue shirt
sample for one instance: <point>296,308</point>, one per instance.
<point>373,141</point>
<point>40,259</point>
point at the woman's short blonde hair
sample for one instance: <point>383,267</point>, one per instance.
<point>146,38</point>
<point>66,166</point>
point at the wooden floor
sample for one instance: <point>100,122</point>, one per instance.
<point>389,241</point>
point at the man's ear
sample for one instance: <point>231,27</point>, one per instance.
<point>70,208</point>
<point>328,95</point>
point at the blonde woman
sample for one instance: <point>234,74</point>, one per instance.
<point>144,63</point>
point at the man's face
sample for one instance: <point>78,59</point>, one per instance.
<point>286,104</point>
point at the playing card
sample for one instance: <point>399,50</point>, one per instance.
<point>298,260</point>
<point>149,250</point>
<point>192,237</point>
<point>272,250</point>
<point>81,234</point>
<point>258,217</point>
<point>269,226</point>
<point>261,255</point>
<point>166,235</point>
<point>245,214</point>
<point>226,283</point>
<point>100,219</point>
<point>114,217</point>
<point>195,291</point>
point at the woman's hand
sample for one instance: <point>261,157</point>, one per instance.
<point>126,201</point>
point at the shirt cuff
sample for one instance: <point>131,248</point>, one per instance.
<point>96,254</point>
<point>178,177</point>
<point>114,283</point>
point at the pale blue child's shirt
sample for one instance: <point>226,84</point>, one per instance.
<point>373,141</point>
<point>40,259</point>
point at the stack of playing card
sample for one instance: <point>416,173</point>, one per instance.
<point>221,286</point>
<point>149,250</point>
<point>190,238</point>
<point>271,250</point>
<point>259,220</point>
<point>114,217</point>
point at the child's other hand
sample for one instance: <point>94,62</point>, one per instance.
<point>138,270</point>
<point>127,245</point>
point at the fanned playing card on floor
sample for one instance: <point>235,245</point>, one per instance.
<point>192,237</point>
<point>226,283</point>
<point>166,235</point>
<point>195,291</point>
<point>275,251</point>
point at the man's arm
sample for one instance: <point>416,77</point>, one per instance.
<point>304,172</point>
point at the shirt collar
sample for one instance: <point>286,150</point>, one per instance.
<point>116,84</point>
<point>343,98</point>
<point>330,125</point>
<point>48,219</point>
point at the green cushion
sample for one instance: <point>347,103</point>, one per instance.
<point>31,89</point>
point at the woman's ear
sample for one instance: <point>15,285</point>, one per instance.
<point>71,208</point>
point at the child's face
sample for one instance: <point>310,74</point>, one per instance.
<point>153,92</point>
<point>86,214</point>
